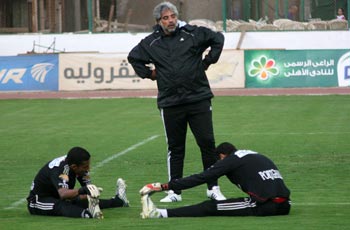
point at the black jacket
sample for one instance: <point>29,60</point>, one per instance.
<point>179,63</point>
<point>54,175</point>
<point>253,173</point>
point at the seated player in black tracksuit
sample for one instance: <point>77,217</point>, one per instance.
<point>53,194</point>
<point>252,172</point>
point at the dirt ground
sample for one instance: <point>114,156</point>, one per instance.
<point>153,93</point>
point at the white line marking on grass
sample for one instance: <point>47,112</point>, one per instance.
<point>107,160</point>
<point>99,165</point>
<point>17,203</point>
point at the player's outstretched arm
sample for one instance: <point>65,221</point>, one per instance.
<point>91,190</point>
<point>153,187</point>
<point>67,194</point>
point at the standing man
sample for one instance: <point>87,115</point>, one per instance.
<point>53,194</point>
<point>253,173</point>
<point>184,95</point>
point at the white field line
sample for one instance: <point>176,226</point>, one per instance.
<point>15,204</point>
<point>98,165</point>
<point>105,161</point>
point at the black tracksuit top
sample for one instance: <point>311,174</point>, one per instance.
<point>253,173</point>
<point>178,59</point>
<point>54,175</point>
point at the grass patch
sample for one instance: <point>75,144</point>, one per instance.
<point>307,137</point>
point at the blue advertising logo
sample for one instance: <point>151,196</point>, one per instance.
<point>40,71</point>
<point>344,70</point>
<point>347,72</point>
<point>28,73</point>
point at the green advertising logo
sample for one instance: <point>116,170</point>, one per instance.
<point>291,68</point>
<point>263,68</point>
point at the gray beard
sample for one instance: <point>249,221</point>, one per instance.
<point>168,30</point>
<point>171,30</point>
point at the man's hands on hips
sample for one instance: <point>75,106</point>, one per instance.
<point>153,75</point>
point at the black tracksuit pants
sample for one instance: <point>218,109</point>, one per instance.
<point>199,118</point>
<point>232,207</point>
<point>50,206</point>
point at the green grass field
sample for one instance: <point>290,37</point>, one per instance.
<point>307,136</point>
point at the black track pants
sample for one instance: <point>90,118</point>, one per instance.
<point>49,206</point>
<point>199,118</point>
<point>231,207</point>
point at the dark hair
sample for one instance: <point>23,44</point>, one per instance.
<point>225,148</point>
<point>77,155</point>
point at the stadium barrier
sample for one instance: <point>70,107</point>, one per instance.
<point>235,69</point>
<point>297,68</point>
<point>112,71</point>
<point>29,73</point>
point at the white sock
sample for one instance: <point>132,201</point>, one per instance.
<point>163,212</point>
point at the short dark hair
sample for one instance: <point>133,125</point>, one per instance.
<point>225,148</point>
<point>77,155</point>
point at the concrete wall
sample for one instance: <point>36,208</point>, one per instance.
<point>123,42</point>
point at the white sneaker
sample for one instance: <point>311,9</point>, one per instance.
<point>171,197</point>
<point>121,192</point>
<point>94,207</point>
<point>215,193</point>
<point>149,210</point>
